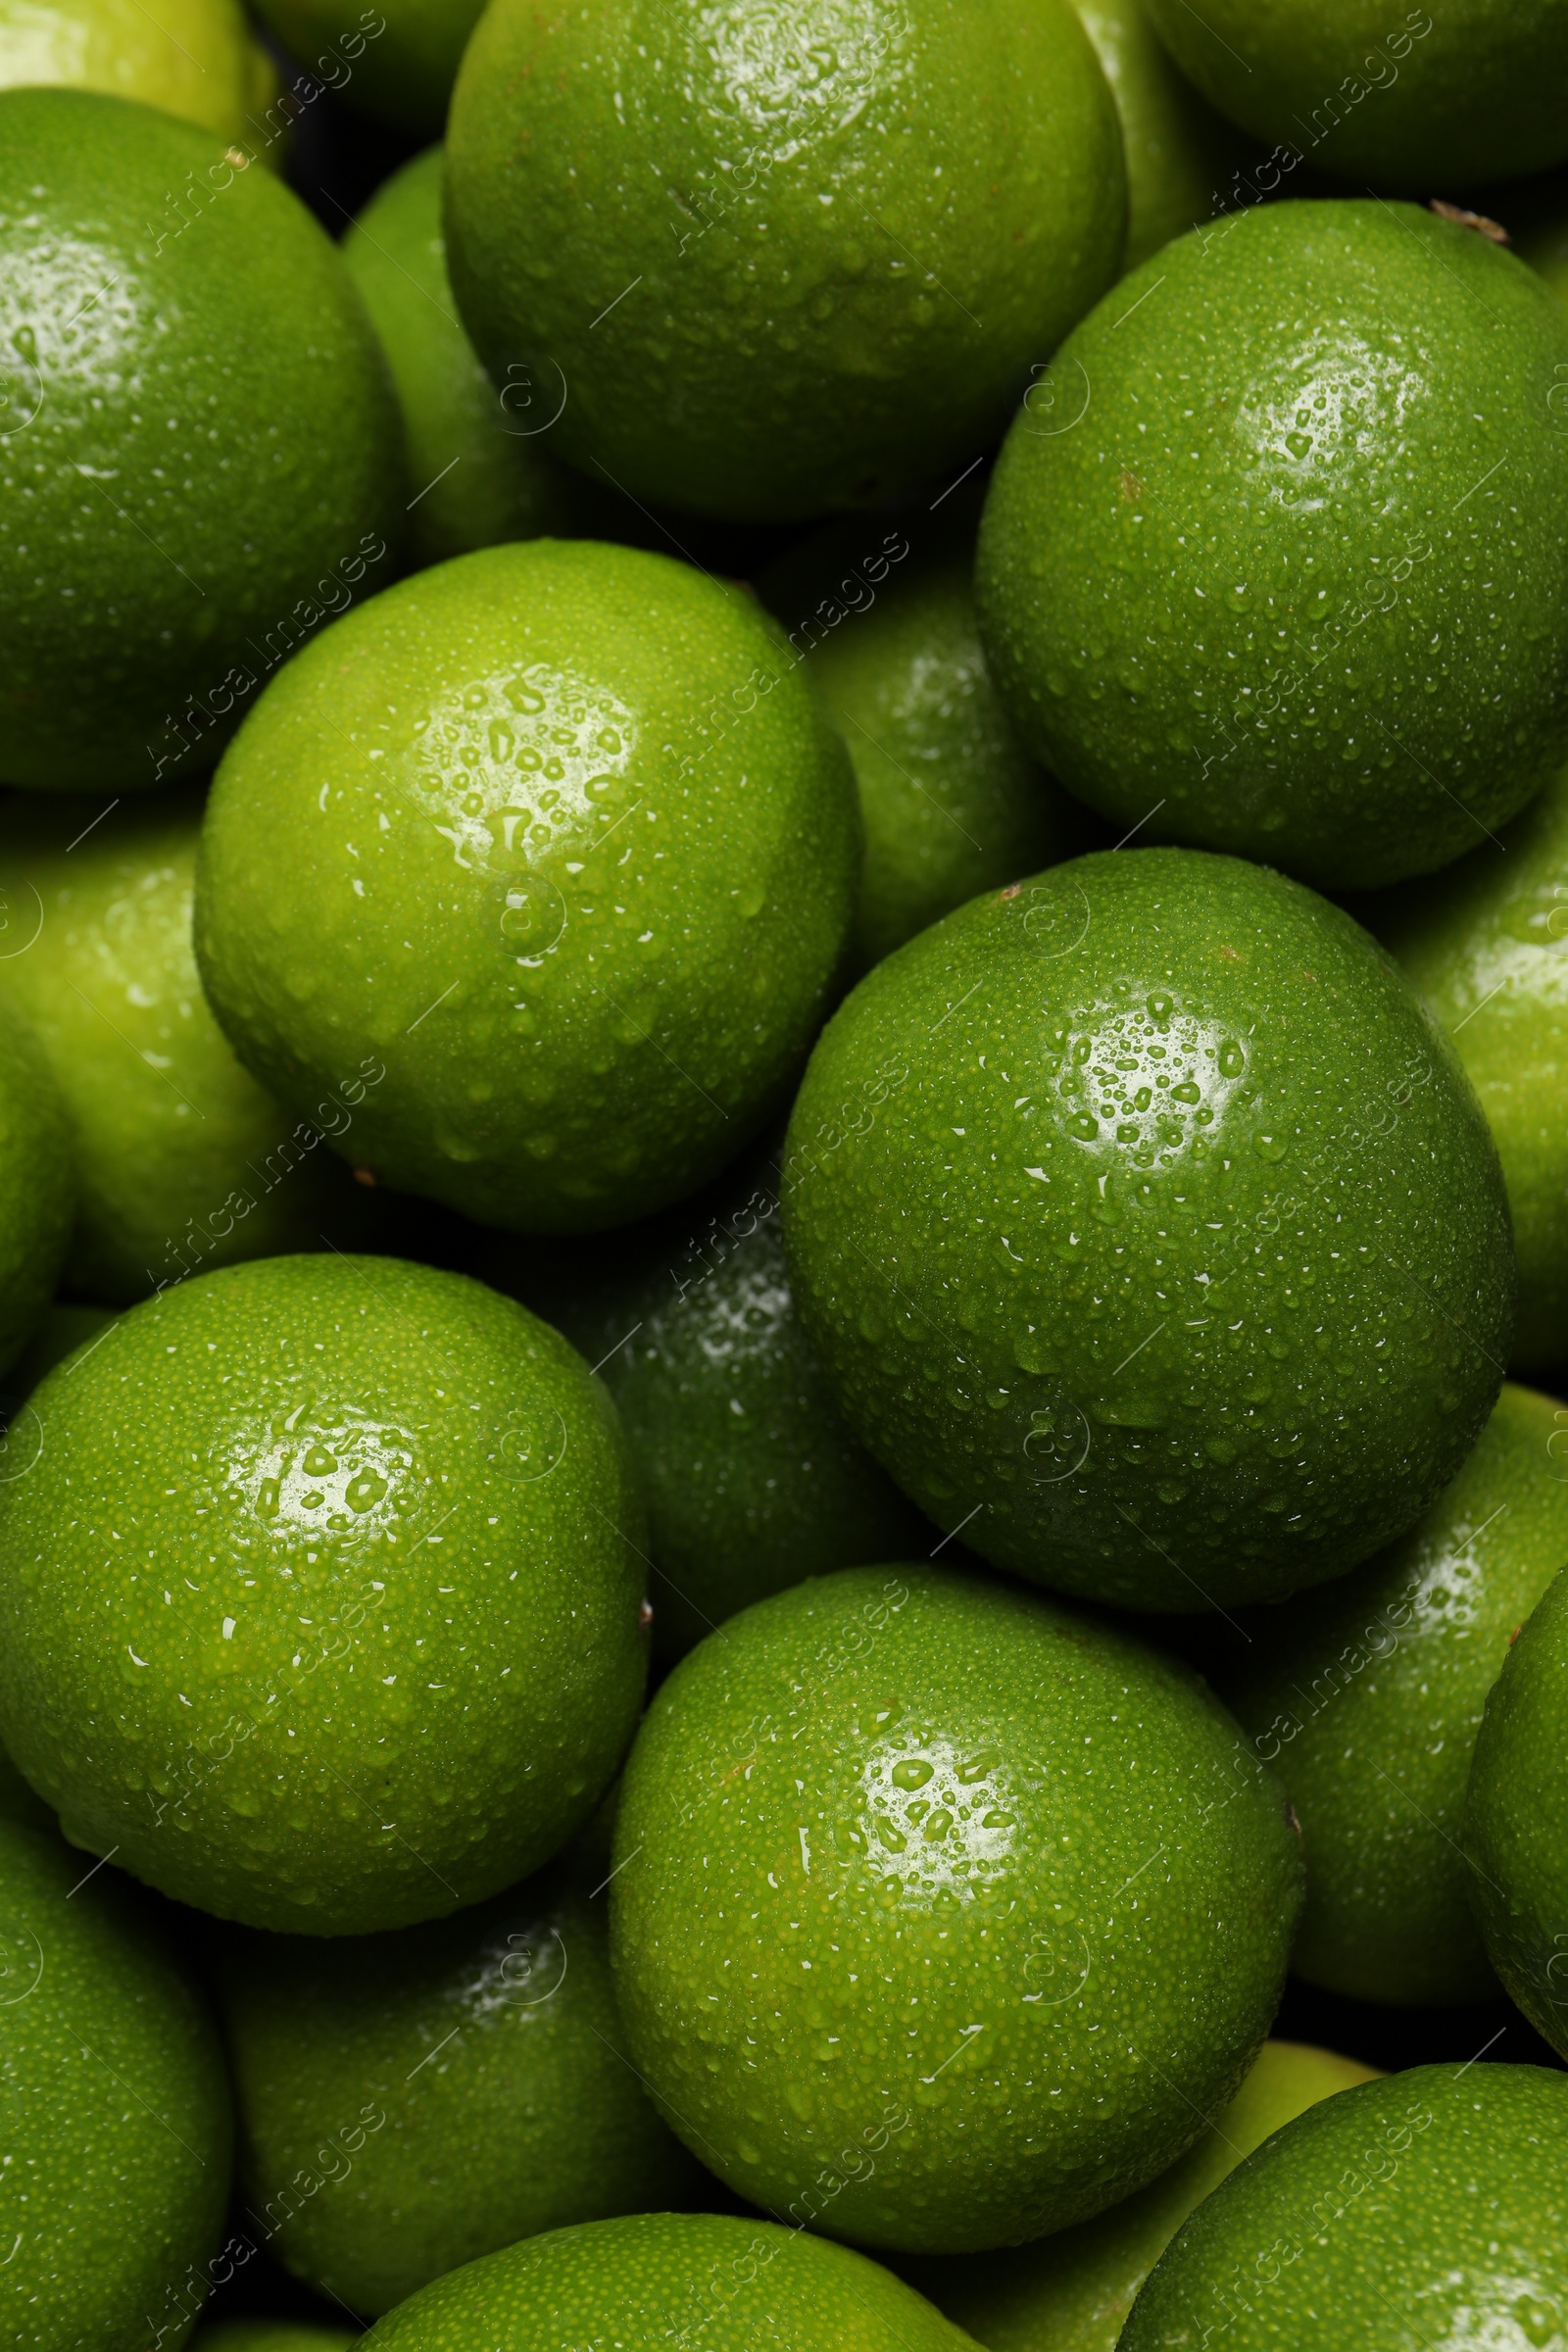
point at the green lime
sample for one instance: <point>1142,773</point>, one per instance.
<point>475,458</point>
<point>670,2278</point>
<point>1185,163</point>
<point>364,1646</point>
<point>272,2335</point>
<point>197,59</point>
<point>1072,2292</point>
<point>199,445</point>
<point>182,1162</point>
<point>1366,1696</point>
<point>750,1476</point>
<point>572,849</point>
<point>1485,944</point>
<point>431,2095</point>
<point>950,803</point>
<point>37,1185</point>
<point>396,63</point>
<point>1234,592</point>
<point>942,1914</point>
<point>1453,95</point>
<point>1516,1823</point>
<point>1424,2209</point>
<point>113,2113</point>
<point>1148,1232</point>
<point>776,268</point>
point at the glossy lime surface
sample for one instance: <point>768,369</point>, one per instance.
<point>1486,944</point>
<point>326,1589</point>
<point>1407,98</point>
<point>1515,1828</point>
<point>942,1914</point>
<point>1185,163</point>
<point>775,266</point>
<point>439,2092</point>
<point>199,452</point>
<point>1425,2208</point>
<point>1149,1232</point>
<point>581,848</point>
<point>114,2110</point>
<point>1288,579</point>
<point>197,59</point>
<point>1072,2292</point>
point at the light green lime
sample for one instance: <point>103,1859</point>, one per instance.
<point>1072,2292</point>
<point>1232,594</point>
<point>481,2061</point>
<point>476,469</point>
<point>950,802</point>
<point>1516,1820</point>
<point>943,1916</point>
<point>200,453</point>
<point>196,58</point>
<point>661,2280</point>
<point>323,1587</point>
<point>182,1162</point>
<point>776,263</point>
<point>113,2113</point>
<point>572,852</point>
<point>1426,2209</point>
<point>1185,163</point>
<point>1486,944</point>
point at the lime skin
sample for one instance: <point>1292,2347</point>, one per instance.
<point>1147,1229</point>
<point>1485,944</point>
<point>1184,161</point>
<point>1411,99</point>
<point>1366,1694</point>
<point>401,73</point>
<point>1291,585</point>
<point>180,1158</point>
<point>943,1914</point>
<point>950,802</point>
<point>779,272</point>
<point>1515,1830</point>
<point>572,852</point>
<point>654,2279</point>
<point>231,1571</point>
<point>114,2110</point>
<point>752,1478</point>
<point>475,460</point>
<point>1438,2191</point>
<point>481,2060</point>
<point>1072,2292</point>
<point>37,1183</point>
<point>198,59</point>
<point>201,442</point>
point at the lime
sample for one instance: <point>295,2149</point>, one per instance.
<point>1149,1233</point>
<point>950,803</point>
<point>1072,2292</point>
<point>113,2112</point>
<point>1185,163</point>
<point>1366,1696</point>
<point>431,2095</point>
<point>1485,944</point>
<point>365,1644</point>
<point>197,59</point>
<point>573,855</point>
<point>1514,1829</point>
<point>781,263</point>
<point>396,64</point>
<point>182,1162</point>
<point>752,1478</point>
<point>1456,95</point>
<point>199,446</point>
<point>476,456</point>
<point>942,1916</point>
<point>666,2278</point>
<point>1239,560</point>
<point>1426,2208</point>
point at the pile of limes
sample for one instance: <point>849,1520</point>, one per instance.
<point>783,1083</point>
